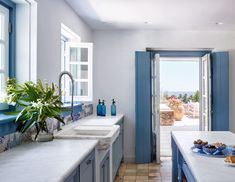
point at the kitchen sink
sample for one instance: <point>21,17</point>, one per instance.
<point>105,134</point>
<point>93,131</point>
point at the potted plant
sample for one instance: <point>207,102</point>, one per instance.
<point>176,105</point>
<point>37,103</point>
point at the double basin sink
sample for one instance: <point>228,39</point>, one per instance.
<point>102,129</point>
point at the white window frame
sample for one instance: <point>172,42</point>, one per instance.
<point>70,39</point>
<point>5,43</point>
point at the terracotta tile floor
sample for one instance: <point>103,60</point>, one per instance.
<point>130,172</point>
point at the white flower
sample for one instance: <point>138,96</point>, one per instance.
<point>37,104</point>
<point>12,103</point>
<point>3,97</point>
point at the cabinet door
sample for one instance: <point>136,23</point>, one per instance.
<point>114,155</point>
<point>121,138</point>
<point>117,154</point>
<point>74,177</point>
<point>105,169</point>
<point>87,169</point>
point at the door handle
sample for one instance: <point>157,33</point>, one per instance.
<point>88,162</point>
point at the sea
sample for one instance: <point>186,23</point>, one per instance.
<point>177,93</point>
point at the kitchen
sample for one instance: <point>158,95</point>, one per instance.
<point>97,42</point>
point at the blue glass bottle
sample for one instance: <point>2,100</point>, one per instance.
<point>113,109</point>
<point>103,113</point>
<point>99,108</point>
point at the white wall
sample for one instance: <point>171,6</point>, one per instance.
<point>114,66</point>
<point>51,13</point>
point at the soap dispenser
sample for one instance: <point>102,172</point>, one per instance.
<point>99,108</point>
<point>113,108</point>
<point>103,112</point>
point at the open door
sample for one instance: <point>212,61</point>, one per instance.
<point>143,110</point>
<point>205,94</point>
<point>156,102</point>
<point>220,91</point>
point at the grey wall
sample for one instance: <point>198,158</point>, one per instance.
<point>114,66</point>
<point>51,13</point>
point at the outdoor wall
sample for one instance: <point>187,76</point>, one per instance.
<point>114,66</point>
<point>51,13</point>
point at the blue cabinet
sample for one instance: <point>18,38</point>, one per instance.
<point>74,176</point>
<point>85,172</point>
<point>105,169</point>
<point>180,169</point>
<point>87,169</point>
<point>117,150</point>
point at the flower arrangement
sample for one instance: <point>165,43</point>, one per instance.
<point>38,102</point>
<point>174,102</point>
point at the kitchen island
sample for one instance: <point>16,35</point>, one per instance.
<point>194,167</point>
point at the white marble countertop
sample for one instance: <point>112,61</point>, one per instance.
<point>205,169</point>
<point>44,162</point>
<point>100,121</point>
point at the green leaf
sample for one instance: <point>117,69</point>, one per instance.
<point>59,119</point>
<point>30,125</point>
<point>12,112</point>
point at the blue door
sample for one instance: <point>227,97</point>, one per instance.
<point>220,91</point>
<point>143,113</point>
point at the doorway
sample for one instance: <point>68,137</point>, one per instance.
<point>214,96</point>
<point>181,97</point>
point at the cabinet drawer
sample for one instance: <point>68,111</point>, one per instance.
<point>88,161</point>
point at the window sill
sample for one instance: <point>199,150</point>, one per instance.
<point>7,124</point>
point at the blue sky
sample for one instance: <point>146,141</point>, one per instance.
<point>179,75</point>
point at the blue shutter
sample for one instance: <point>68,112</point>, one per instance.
<point>143,107</point>
<point>220,91</point>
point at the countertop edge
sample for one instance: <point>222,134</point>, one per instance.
<point>78,162</point>
<point>64,174</point>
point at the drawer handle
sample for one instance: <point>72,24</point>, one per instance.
<point>88,162</point>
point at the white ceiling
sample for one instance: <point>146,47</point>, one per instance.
<point>162,14</point>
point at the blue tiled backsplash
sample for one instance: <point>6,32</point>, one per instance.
<point>14,139</point>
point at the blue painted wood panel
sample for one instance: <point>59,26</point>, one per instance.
<point>7,124</point>
<point>180,169</point>
<point>220,91</point>
<point>181,53</point>
<point>87,168</point>
<point>143,142</point>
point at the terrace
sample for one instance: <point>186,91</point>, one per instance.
<point>176,116</point>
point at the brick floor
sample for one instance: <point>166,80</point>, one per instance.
<point>130,172</point>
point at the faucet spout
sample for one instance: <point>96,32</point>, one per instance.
<point>60,92</point>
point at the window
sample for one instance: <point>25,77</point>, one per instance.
<point>4,48</point>
<point>77,59</point>
<point>18,54</point>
